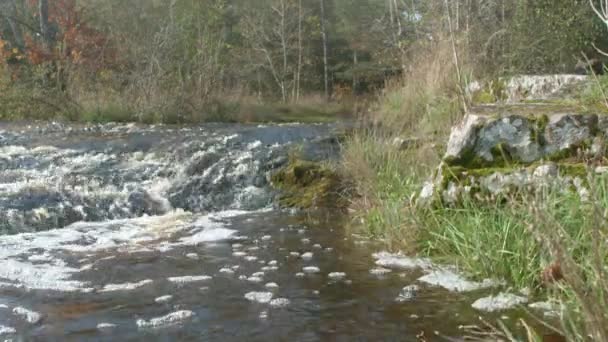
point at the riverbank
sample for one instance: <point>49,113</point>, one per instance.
<point>550,245</point>
<point>16,105</point>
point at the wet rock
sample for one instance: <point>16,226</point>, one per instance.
<point>500,302</point>
<point>408,293</point>
<point>306,184</point>
<point>171,319</point>
<point>497,154</point>
<point>201,162</point>
<point>540,87</point>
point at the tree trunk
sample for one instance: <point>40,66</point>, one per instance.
<point>43,15</point>
<point>299,67</point>
<point>9,12</point>
<point>355,81</point>
<point>325,48</point>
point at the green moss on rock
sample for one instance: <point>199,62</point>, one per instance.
<point>306,185</point>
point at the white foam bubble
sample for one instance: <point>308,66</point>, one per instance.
<point>163,299</point>
<point>269,268</point>
<point>272,286</point>
<point>379,271</point>
<point>260,297</point>
<point>192,256</point>
<point>307,256</point>
<point>337,275</point>
<point>105,327</point>
<point>279,302</point>
<point>125,286</point>
<point>500,302</point>
<point>255,279</point>
<point>189,279</point>
<point>455,282</point>
<point>226,270</point>
<point>29,316</point>
<point>173,318</point>
<point>311,269</point>
<point>399,261</point>
<point>4,330</point>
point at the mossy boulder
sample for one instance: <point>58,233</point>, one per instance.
<point>307,185</point>
<point>500,152</point>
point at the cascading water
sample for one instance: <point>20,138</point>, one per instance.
<point>115,172</point>
<point>125,232</point>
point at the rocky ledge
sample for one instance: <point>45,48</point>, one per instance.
<point>501,149</point>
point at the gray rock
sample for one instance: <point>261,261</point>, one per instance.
<point>567,131</point>
<point>511,145</point>
<point>539,87</point>
<point>408,293</point>
<point>463,138</point>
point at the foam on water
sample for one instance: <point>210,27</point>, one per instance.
<point>126,286</point>
<point>29,316</point>
<point>4,330</point>
<point>189,279</point>
<point>452,281</point>
<point>259,297</point>
<point>46,265</point>
<point>173,318</point>
<point>399,261</point>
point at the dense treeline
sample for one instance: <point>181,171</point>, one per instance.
<point>183,60</point>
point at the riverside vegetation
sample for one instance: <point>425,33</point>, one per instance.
<point>549,241</point>
<point>286,60</point>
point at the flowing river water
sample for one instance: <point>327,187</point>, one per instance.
<point>143,233</point>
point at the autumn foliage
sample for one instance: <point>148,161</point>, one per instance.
<point>74,40</point>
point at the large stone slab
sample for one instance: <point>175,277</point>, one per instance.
<point>500,150</point>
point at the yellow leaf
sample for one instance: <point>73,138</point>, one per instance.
<point>15,50</point>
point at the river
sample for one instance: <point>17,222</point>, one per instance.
<point>159,233</point>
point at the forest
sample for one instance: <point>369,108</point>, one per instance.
<point>218,60</point>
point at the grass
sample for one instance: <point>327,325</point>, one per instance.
<point>487,242</point>
<point>31,101</point>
